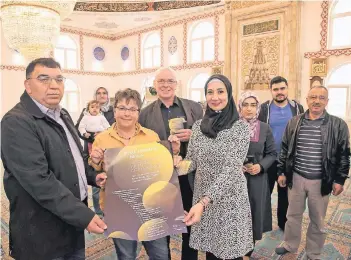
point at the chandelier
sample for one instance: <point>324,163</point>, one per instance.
<point>31,27</point>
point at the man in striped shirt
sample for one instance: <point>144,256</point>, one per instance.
<point>314,162</point>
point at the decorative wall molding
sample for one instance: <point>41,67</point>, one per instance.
<point>162,47</point>
<point>139,6</point>
<point>185,43</point>
<point>81,52</point>
<point>139,52</point>
<point>216,38</point>
<point>116,74</point>
<point>324,52</point>
<point>245,4</point>
<point>87,34</point>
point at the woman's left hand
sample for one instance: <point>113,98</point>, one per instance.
<point>175,142</point>
<point>101,179</point>
<point>254,169</point>
<point>194,215</point>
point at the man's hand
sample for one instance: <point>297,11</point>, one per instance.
<point>175,142</point>
<point>184,135</point>
<point>194,215</point>
<point>254,169</point>
<point>86,135</point>
<point>101,179</point>
<point>282,181</point>
<point>96,225</point>
<point>97,154</point>
<point>337,189</point>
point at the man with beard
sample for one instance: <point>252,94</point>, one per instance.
<point>313,162</point>
<point>277,113</point>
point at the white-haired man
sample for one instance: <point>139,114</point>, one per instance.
<point>156,116</point>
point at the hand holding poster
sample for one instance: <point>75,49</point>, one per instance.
<point>143,200</point>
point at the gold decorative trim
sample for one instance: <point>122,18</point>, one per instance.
<point>262,27</point>
<point>319,67</point>
<point>161,47</point>
<point>88,34</point>
<point>245,4</point>
<point>216,38</point>
<point>81,50</point>
<point>217,70</point>
<point>185,43</point>
<point>139,6</point>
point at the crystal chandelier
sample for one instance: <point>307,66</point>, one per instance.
<point>31,27</point>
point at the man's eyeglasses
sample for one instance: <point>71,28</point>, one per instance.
<point>321,98</point>
<point>124,109</point>
<point>168,81</point>
<point>46,80</point>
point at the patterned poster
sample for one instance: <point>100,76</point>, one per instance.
<point>143,200</point>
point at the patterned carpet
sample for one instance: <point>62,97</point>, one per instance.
<point>337,246</point>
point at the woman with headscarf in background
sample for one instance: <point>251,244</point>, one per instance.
<point>259,158</point>
<point>101,95</point>
<point>217,149</point>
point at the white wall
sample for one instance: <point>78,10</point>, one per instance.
<point>13,74</point>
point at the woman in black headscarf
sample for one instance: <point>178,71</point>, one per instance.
<point>220,215</point>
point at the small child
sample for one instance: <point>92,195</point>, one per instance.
<point>92,123</point>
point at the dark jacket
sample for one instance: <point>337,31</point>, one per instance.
<point>151,117</point>
<point>110,117</point>
<point>47,217</point>
<point>336,149</point>
<point>296,109</point>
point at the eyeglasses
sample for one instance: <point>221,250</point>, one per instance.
<point>321,98</point>
<point>124,109</point>
<point>168,81</point>
<point>246,105</point>
<point>46,80</point>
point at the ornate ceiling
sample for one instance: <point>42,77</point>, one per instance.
<point>139,6</point>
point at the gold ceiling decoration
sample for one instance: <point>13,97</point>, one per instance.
<point>31,27</point>
<point>139,6</point>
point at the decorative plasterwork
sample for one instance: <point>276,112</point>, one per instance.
<point>324,52</point>
<point>139,6</point>
<point>116,74</point>
<point>216,39</point>
<point>185,43</point>
<point>162,47</point>
<point>245,4</point>
<point>139,52</point>
<point>81,51</point>
<point>93,35</point>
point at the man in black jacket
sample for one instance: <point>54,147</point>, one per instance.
<point>277,113</point>
<point>156,117</point>
<point>46,174</point>
<point>314,161</point>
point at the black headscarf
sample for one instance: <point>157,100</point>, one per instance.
<point>216,121</point>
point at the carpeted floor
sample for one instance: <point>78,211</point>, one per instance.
<point>337,246</point>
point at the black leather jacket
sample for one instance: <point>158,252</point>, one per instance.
<point>336,151</point>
